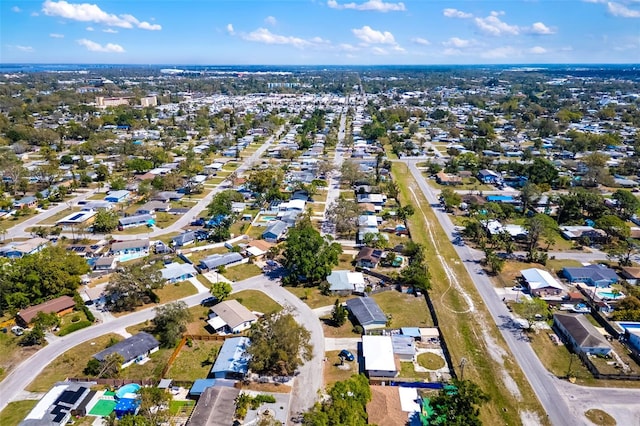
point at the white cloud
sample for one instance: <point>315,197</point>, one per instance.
<point>421,41</point>
<point>90,29</point>
<point>54,35</point>
<point>85,12</point>
<point>263,35</point>
<point>348,47</point>
<point>452,52</point>
<point>110,31</point>
<point>270,20</point>
<point>500,53</point>
<point>494,26</point>
<point>375,5</point>
<point>97,47</point>
<point>369,35</point>
<point>458,43</point>
<point>540,28</point>
<point>230,29</point>
<point>16,9</point>
<point>537,50</point>
<point>455,13</point>
<point>26,49</point>
<point>379,51</point>
<point>622,11</point>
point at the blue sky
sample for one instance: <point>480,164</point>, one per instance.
<point>314,32</point>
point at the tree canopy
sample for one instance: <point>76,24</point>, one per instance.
<point>170,322</point>
<point>106,221</point>
<point>132,285</point>
<point>308,256</point>
<point>36,278</point>
<point>346,404</point>
<point>459,406</point>
<point>279,345</point>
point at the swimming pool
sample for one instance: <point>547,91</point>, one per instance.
<point>610,295</point>
<point>629,325</point>
<point>267,218</point>
<point>130,388</point>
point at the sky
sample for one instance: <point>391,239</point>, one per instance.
<point>320,32</point>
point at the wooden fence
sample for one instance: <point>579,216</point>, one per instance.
<point>183,341</point>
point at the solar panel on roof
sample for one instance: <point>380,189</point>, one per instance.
<point>77,216</point>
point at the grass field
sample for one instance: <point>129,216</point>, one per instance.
<point>195,362</point>
<point>405,310</point>
<point>15,412</point>
<point>334,374</point>
<point>466,332</point>
<point>255,300</point>
<point>242,272</point>
<point>312,296</point>
<point>51,220</point>
<point>431,361</point>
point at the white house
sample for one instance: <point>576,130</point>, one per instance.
<point>230,317</point>
<point>379,360</point>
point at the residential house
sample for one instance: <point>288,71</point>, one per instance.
<point>19,249</point>
<point>258,248</point>
<point>77,220</point>
<point>275,231</point>
<point>232,361</point>
<point>63,401</point>
<point>97,205</point>
<point>217,260</point>
<point>117,196</point>
<point>216,407</point>
<point>230,316</point>
<point>377,200</point>
<point>28,202</point>
<point>574,233</point>
<point>541,283</point>
<point>592,275</point>
<point>489,177</point>
<point>633,338</point>
<point>367,313</point>
<point>132,349</point>
<point>60,306</point>
<point>151,207</point>
<point>184,239</point>
<point>105,264</point>
<point>446,179</point>
<point>579,333</point>
<point>136,220</point>
<point>404,347</point>
<point>201,385</point>
<point>166,196</point>
<point>346,282</point>
<point>177,272</point>
<point>369,257</point>
<point>379,360</point>
<point>128,250</point>
<point>631,274</point>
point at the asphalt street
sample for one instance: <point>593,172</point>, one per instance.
<point>563,402</point>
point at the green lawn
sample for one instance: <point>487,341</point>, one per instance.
<point>12,353</point>
<point>15,412</point>
<point>255,300</point>
<point>404,310</point>
<point>431,361</point>
<point>407,371</point>
<point>176,291</point>
<point>242,272</point>
<point>312,296</point>
<point>164,220</point>
<point>181,408</point>
<point>195,362</point>
<point>464,331</point>
<point>70,363</point>
<point>51,220</point>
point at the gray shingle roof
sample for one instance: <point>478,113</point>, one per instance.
<point>366,311</point>
<point>130,348</point>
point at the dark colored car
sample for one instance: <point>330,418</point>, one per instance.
<point>209,301</point>
<point>346,355</point>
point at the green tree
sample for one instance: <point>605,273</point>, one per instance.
<point>538,226</point>
<point>344,215</point>
<point>529,194</point>
<point>170,322</point>
<point>279,345</point>
<point>493,261</point>
<point>308,256</point>
<point>346,404</point>
<point>106,221</point>
<point>450,199</point>
<point>118,183</point>
<point>221,290</point>
<point>627,204</point>
<point>139,165</point>
<point>339,314</point>
<point>350,173</point>
<point>459,406</point>
<point>614,227</point>
<point>405,212</point>
<point>131,286</point>
<point>154,405</point>
<point>623,251</point>
<point>542,171</point>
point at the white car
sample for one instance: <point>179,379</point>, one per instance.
<point>517,288</point>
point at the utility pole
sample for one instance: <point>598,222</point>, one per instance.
<point>463,362</point>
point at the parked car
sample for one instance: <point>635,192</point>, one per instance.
<point>517,288</point>
<point>345,354</point>
<point>17,330</point>
<point>209,301</point>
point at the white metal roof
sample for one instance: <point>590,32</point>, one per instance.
<point>378,353</point>
<point>539,278</point>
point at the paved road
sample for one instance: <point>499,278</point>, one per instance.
<point>306,385</point>
<point>563,402</point>
<point>333,191</point>
<point>19,231</point>
<point>184,220</point>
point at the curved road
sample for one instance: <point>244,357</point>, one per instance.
<point>563,402</point>
<point>306,385</point>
